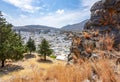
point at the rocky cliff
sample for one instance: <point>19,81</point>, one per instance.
<point>105,17</point>
<point>101,35</point>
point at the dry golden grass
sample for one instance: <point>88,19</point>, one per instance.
<point>104,70</point>
<point>76,41</point>
<point>107,42</point>
<point>101,69</point>
<point>72,73</point>
<point>96,33</point>
<point>31,68</point>
<point>89,48</point>
<point>34,76</point>
<point>86,35</point>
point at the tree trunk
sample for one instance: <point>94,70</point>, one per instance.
<point>44,57</point>
<point>3,63</point>
<point>30,52</point>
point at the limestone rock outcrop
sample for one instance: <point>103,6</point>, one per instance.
<point>105,17</point>
<point>101,32</point>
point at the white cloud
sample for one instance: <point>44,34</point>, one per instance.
<point>25,5</point>
<point>23,16</point>
<point>54,19</point>
<point>58,18</point>
<point>60,11</point>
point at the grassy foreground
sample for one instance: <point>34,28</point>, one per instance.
<point>35,70</point>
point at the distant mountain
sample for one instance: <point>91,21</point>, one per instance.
<point>35,28</point>
<point>75,27</point>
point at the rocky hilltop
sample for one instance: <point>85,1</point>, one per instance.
<point>105,17</point>
<point>101,35</point>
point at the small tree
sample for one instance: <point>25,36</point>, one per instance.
<point>44,49</point>
<point>31,45</point>
<point>11,46</point>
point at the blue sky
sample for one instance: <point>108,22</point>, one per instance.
<point>55,13</point>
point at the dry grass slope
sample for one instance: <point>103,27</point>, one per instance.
<point>102,70</point>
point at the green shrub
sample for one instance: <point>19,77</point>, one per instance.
<point>53,56</point>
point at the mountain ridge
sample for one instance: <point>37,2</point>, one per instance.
<point>75,27</point>
<point>36,28</point>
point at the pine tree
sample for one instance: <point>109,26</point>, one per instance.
<point>31,45</point>
<point>44,49</point>
<point>11,46</point>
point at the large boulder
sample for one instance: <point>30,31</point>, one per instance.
<point>101,31</point>
<point>105,17</point>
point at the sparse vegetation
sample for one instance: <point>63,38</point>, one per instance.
<point>106,42</point>
<point>86,35</point>
<point>94,71</point>
<point>53,56</point>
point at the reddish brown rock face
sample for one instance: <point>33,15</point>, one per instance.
<point>101,32</point>
<point>105,17</point>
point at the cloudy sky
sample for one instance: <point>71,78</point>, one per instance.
<point>55,13</point>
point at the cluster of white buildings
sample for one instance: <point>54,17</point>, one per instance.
<point>57,40</point>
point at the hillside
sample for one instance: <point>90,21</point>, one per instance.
<point>35,28</point>
<point>34,70</point>
<point>29,67</point>
<point>75,27</point>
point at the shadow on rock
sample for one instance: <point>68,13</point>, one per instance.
<point>43,61</point>
<point>10,68</point>
<point>28,56</point>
